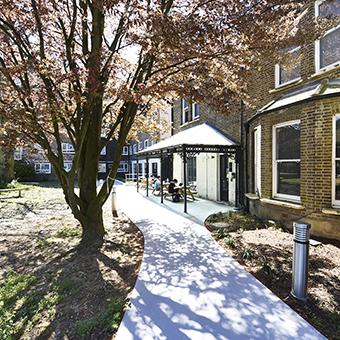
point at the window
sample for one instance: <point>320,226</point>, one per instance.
<point>42,168</point>
<point>101,167</point>
<point>67,166</point>
<point>327,49</point>
<point>67,148</point>
<point>289,70</point>
<point>257,160</point>
<point>192,172</point>
<point>286,161</point>
<point>125,150</point>
<point>140,146</point>
<point>336,162</point>
<point>185,111</point>
<point>131,150</point>
<point>154,169</point>
<point>123,167</point>
<point>135,148</point>
<point>146,143</point>
<point>196,110</point>
<point>18,153</point>
<point>103,152</point>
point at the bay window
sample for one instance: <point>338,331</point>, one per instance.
<point>327,48</point>
<point>286,161</point>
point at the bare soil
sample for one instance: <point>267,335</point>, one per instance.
<point>49,286</point>
<point>266,252</point>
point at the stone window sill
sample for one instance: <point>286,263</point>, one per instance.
<point>331,211</point>
<point>283,204</point>
<point>286,86</point>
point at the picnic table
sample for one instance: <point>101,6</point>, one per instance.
<point>180,189</point>
<point>13,190</point>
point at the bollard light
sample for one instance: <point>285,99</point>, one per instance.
<point>300,261</point>
<point>114,202</point>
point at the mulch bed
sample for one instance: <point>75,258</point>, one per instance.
<point>266,252</point>
<point>49,286</point>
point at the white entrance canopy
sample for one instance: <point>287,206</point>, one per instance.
<point>203,137</point>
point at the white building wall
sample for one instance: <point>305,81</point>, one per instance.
<point>178,168</point>
<point>208,176</point>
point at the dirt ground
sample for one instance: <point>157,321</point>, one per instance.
<point>49,287</point>
<point>266,252</point>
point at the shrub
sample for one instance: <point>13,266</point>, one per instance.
<point>23,171</point>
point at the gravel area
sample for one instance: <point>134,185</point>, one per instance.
<point>49,287</point>
<point>266,252</point>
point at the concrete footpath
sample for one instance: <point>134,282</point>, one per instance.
<point>189,288</point>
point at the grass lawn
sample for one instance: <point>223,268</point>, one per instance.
<point>50,287</point>
<point>265,250</point>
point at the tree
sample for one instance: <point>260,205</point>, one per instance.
<point>94,70</point>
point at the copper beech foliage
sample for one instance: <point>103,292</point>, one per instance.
<point>83,69</point>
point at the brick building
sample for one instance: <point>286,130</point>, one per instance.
<point>45,172</point>
<point>293,138</point>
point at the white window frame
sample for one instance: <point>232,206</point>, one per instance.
<point>317,44</point>
<point>193,109</point>
<point>67,148</point>
<point>38,171</point>
<point>278,72</point>
<point>123,167</point>
<point>184,110</point>
<point>101,171</point>
<point>146,143</point>
<point>295,199</point>
<point>125,151</point>
<point>67,166</point>
<point>135,148</point>
<point>103,152</point>
<point>140,146</point>
<point>335,202</point>
<point>257,160</point>
<point>18,152</point>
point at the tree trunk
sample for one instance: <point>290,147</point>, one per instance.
<point>93,227</point>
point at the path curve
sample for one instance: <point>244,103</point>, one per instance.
<point>189,288</point>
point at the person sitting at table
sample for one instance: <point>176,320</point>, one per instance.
<point>173,189</point>
<point>172,186</point>
<point>156,185</point>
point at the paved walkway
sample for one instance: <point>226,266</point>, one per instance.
<point>198,210</point>
<point>189,288</point>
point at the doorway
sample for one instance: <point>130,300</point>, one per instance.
<point>224,182</point>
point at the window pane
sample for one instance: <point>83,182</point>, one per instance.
<point>191,166</point>
<point>288,178</point>
<point>337,180</point>
<point>288,142</point>
<point>330,48</point>
<point>330,8</point>
<point>290,69</point>
<point>337,136</point>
